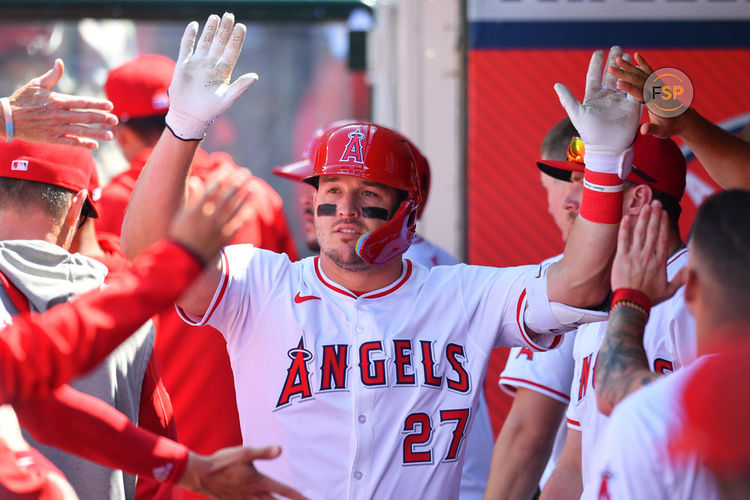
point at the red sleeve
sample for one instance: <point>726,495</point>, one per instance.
<point>41,352</point>
<point>155,415</point>
<point>112,206</point>
<point>86,426</point>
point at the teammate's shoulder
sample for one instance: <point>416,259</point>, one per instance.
<point>427,253</point>
<point>654,399</point>
<point>677,261</point>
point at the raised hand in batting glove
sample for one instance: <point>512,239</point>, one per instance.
<point>608,118</point>
<point>201,87</point>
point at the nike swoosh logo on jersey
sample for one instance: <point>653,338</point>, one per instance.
<point>302,298</point>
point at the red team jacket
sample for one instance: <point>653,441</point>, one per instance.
<point>39,353</point>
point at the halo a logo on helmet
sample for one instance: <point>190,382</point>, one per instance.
<point>353,149</point>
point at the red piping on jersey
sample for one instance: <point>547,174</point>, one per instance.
<point>574,423</point>
<point>224,261</point>
<point>528,341</point>
<point>564,396</point>
<point>346,292</point>
<point>675,257</point>
<point>555,342</point>
<point>398,285</point>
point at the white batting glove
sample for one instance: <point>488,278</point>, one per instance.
<point>607,120</point>
<point>201,90</point>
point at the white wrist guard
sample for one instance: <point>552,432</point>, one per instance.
<point>553,318</point>
<point>607,162</point>
<point>185,127</point>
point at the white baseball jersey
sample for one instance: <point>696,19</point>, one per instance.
<point>549,373</point>
<point>669,342</point>
<point>481,439</point>
<point>632,460</point>
<point>369,396</point>
<point>428,254</point>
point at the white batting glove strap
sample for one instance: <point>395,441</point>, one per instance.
<point>186,127</point>
<point>606,161</point>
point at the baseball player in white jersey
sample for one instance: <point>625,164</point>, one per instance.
<point>533,433</point>
<point>669,343</point>
<point>362,364</point>
<point>658,172</point>
<point>634,459</point>
<point>479,440</point>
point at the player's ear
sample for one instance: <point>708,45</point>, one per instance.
<point>636,198</point>
<point>76,207</point>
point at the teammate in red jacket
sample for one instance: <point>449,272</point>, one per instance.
<point>38,353</point>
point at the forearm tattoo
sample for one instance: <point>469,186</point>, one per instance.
<point>622,365</point>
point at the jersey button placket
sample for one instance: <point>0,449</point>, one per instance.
<point>363,400</point>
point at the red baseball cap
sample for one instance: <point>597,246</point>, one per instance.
<point>139,87</point>
<point>68,167</point>
<point>657,163</point>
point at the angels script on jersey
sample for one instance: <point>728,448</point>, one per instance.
<point>421,368</point>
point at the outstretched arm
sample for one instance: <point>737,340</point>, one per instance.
<point>640,265</point>
<point>35,113</point>
<point>39,352</point>
<point>607,121</point>
<point>88,427</point>
<point>565,482</point>
<point>725,156</point>
<point>200,91</point>
<point>524,445</point>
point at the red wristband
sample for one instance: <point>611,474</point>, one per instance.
<point>631,295</point>
<point>601,201</point>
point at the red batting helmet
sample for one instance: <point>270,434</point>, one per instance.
<point>378,154</point>
<point>302,169</point>
<point>423,175</point>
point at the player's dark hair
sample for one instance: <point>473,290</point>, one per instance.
<point>555,143</point>
<point>721,236</point>
<point>148,128</point>
<point>19,194</point>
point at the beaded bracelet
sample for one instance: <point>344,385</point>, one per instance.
<point>635,299</point>
<point>632,305</point>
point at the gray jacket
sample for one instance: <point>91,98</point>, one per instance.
<point>47,275</point>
